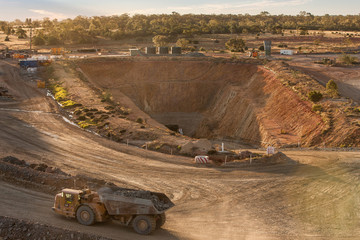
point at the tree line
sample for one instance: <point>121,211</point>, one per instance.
<point>86,29</point>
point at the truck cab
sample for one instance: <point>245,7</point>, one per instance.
<point>67,201</point>
<point>84,205</point>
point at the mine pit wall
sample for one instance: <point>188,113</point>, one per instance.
<point>226,100</point>
<point>284,110</point>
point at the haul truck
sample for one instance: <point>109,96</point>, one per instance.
<point>143,210</point>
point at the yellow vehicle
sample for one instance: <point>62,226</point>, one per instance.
<point>143,210</point>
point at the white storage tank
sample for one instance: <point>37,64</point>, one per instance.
<point>163,50</point>
<point>176,50</point>
<point>151,50</point>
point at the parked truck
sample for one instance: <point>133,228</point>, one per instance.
<point>143,210</point>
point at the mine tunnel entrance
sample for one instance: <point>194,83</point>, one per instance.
<point>187,123</point>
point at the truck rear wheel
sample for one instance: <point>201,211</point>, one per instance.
<point>160,221</point>
<point>85,215</point>
<point>144,224</point>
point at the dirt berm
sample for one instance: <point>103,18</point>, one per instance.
<point>43,178</point>
<point>11,228</point>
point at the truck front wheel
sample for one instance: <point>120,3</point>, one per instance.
<point>144,224</point>
<point>85,215</point>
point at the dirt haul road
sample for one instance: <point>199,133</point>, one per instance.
<point>347,78</point>
<point>315,195</point>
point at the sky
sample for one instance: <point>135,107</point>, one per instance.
<point>62,9</point>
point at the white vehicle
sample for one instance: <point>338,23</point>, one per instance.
<point>286,52</point>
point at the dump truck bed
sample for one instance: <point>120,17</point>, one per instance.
<point>122,201</point>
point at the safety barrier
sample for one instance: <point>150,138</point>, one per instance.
<point>202,159</point>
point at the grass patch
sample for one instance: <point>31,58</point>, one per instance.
<point>317,108</point>
<point>85,124</point>
<point>68,104</point>
<point>60,93</point>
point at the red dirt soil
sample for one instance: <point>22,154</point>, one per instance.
<point>213,100</point>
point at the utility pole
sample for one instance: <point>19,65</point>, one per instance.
<point>29,24</point>
<point>30,37</point>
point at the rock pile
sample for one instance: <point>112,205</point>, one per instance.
<point>160,204</point>
<point>42,177</point>
<point>11,228</point>
<point>4,94</point>
<point>38,167</point>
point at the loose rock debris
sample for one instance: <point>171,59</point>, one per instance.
<point>42,177</point>
<point>4,94</point>
<point>132,193</point>
<point>11,228</point>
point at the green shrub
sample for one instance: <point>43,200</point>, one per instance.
<point>109,107</point>
<point>183,43</point>
<point>60,93</point>
<point>77,112</point>
<point>123,110</point>
<point>315,96</point>
<point>317,108</point>
<point>106,97</point>
<point>160,40</point>
<point>235,45</point>
<point>84,124</point>
<point>139,120</point>
<point>347,59</point>
<point>38,40</point>
<point>68,104</point>
<point>332,88</point>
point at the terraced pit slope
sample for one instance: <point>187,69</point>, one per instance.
<point>209,99</point>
